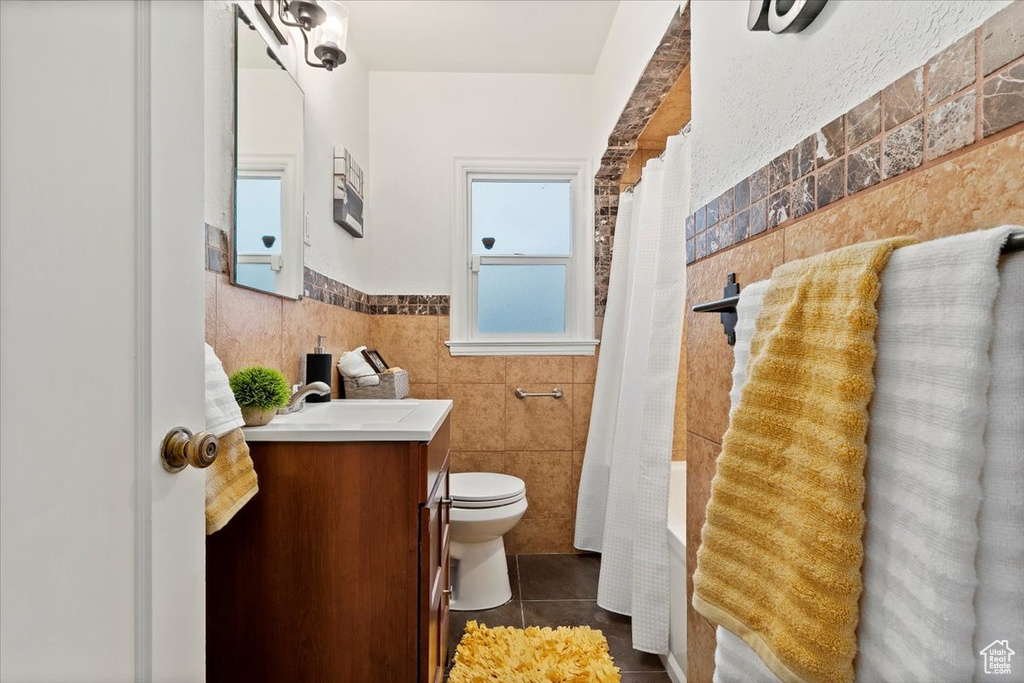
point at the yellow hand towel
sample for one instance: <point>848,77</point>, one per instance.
<point>780,560</point>
<point>230,481</point>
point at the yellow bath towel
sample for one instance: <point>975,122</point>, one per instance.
<point>230,481</point>
<point>780,560</point>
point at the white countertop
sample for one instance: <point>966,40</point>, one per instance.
<point>357,420</point>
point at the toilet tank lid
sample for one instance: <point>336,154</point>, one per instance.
<point>482,486</point>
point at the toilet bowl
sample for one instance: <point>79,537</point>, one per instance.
<point>485,507</point>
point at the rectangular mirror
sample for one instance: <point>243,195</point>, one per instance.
<point>268,241</point>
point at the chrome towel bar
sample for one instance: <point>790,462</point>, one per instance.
<point>523,393</point>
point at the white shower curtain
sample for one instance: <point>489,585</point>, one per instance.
<point>623,496</point>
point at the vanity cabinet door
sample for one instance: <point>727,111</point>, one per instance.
<point>434,559</point>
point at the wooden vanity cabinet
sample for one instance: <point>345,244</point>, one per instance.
<point>337,570</point>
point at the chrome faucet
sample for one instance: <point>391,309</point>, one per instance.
<point>299,394</point>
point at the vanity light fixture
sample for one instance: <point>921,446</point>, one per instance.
<point>326,20</point>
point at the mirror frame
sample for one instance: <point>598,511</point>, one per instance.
<point>298,240</point>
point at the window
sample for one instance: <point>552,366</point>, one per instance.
<point>523,259</point>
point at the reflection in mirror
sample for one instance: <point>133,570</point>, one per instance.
<point>268,168</point>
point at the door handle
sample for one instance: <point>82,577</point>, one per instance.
<point>182,448</point>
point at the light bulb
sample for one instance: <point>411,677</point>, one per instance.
<point>330,37</point>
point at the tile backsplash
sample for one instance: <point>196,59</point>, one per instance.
<point>970,91</point>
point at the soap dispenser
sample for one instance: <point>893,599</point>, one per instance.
<point>319,368</point>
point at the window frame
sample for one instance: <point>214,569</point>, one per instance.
<point>578,338</point>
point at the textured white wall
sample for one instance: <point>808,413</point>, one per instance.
<point>336,113</point>
<point>419,123</point>
<point>756,94</point>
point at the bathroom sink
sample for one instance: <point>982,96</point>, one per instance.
<point>357,420</point>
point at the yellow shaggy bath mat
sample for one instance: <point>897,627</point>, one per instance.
<point>576,654</point>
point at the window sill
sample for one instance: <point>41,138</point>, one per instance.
<point>507,347</point>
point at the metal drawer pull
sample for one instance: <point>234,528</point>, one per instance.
<point>447,591</point>
<point>555,393</point>
<point>447,502</point>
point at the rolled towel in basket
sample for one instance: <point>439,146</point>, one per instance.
<point>354,366</point>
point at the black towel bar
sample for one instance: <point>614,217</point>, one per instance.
<point>1015,242</point>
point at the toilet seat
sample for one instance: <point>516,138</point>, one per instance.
<point>476,490</point>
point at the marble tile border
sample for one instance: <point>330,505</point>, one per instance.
<point>929,113</point>
<point>669,60</point>
<point>319,287</point>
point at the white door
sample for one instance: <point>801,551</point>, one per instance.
<point>102,552</point>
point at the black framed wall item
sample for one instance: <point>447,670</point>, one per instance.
<point>375,360</point>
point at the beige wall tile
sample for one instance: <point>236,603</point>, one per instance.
<point>538,536</point>
<point>700,469</point>
<point>211,308</point>
<point>422,391</point>
<point>708,357</point>
<point>548,478</point>
<point>582,399</point>
<point>248,328</point>
<point>469,369</point>
<point>478,415</point>
<point>477,461</point>
<point>407,341</point>
<point>584,368</point>
<point>982,188</point>
<point>553,369</point>
<point>538,423</point>
<point>679,426</point>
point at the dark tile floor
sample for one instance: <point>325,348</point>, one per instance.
<point>561,590</point>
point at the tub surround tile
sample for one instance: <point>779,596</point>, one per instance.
<point>1003,100</point>
<point>741,194</point>
<point>554,369</point>
<point>713,244</point>
<point>691,226</point>
<point>951,70</point>
<point>831,141</point>
<point>904,99</point>
<point>702,245</point>
<point>1003,37</point>
<point>902,149</point>
<point>864,167</point>
<point>803,196</point>
<point>951,126</point>
<point>831,183</point>
<point>864,121</point>
<point>548,479</point>
<point>803,157</point>
<point>478,415</point>
<point>538,423</point>
<point>701,218</point>
<point>691,251</point>
<point>477,461</point>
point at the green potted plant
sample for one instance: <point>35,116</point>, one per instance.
<point>259,392</point>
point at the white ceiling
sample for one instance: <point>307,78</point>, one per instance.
<point>490,36</point>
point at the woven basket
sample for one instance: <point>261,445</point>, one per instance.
<point>392,385</point>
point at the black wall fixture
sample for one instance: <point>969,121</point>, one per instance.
<point>726,306</point>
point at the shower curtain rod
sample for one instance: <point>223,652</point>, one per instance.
<point>1014,243</point>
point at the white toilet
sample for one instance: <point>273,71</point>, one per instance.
<point>485,507</point>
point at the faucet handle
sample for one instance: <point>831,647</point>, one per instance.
<point>295,388</point>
